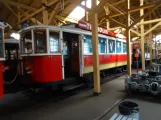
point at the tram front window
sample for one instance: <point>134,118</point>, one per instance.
<point>26,42</point>
<point>40,41</point>
<point>1,43</point>
<point>54,41</point>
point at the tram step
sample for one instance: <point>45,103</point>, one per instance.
<point>71,87</point>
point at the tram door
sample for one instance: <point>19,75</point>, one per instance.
<point>71,52</point>
<point>11,56</point>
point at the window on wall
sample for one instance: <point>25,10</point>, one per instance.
<point>1,43</point>
<point>111,46</point>
<point>26,42</point>
<point>124,47</point>
<point>102,45</point>
<point>118,47</point>
<point>40,41</point>
<point>54,41</point>
<point>87,44</point>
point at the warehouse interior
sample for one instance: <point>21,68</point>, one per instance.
<point>80,59</point>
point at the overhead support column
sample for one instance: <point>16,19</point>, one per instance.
<point>107,24</point>
<point>18,16</point>
<point>150,41</point>
<point>45,13</point>
<point>142,37</point>
<point>128,45</point>
<point>86,12</point>
<point>96,71</point>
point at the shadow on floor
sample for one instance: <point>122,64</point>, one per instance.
<point>145,97</point>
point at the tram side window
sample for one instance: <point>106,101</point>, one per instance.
<point>54,41</point>
<point>40,41</point>
<point>26,42</point>
<point>102,45</point>
<point>87,44</point>
<point>124,47</point>
<point>118,47</point>
<point>1,43</point>
<point>111,46</point>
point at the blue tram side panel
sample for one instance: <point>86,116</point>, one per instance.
<point>87,44</point>
<point>118,47</point>
<point>124,47</point>
<point>102,45</point>
<point>111,46</point>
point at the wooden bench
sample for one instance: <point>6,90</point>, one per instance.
<point>117,116</point>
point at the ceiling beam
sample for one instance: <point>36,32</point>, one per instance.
<point>36,12</point>
<point>150,21</point>
<point>133,31</point>
<point>150,5</point>
<point>103,3</point>
<point>155,26</point>
<point>65,19</point>
<point>118,23</point>
<point>16,4</point>
<point>147,1</point>
<point>32,19</point>
<point>12,11</point>
<point>45,13</point>
<point>145,15</point>
<point>53,13</point>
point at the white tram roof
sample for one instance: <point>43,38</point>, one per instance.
<point>67,28</point>
<point>11,40</point>
<point>2,25</point>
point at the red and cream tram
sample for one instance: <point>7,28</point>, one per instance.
<point>54,54</point>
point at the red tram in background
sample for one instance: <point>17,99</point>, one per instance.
<point>55,54</point>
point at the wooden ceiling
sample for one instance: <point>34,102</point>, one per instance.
<point>15,12</point>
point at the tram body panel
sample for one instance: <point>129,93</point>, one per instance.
<point>75,56</point>
<point>105,61</point>
<point>44,68</point>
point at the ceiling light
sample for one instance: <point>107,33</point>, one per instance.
<point>15,36</point>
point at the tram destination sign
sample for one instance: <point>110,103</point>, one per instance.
<point>87,26</point>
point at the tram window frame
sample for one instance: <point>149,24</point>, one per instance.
<point>59,45</point>
<point>2,46</point>
<point>45,41</point>
<point>25,46</point>
<point>114,46</point>
<point>117,47</point>
<point>89,44</point>
<point>124,43</point>
<point>100,46</point>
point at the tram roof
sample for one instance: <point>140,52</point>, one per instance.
<point>65,29</point>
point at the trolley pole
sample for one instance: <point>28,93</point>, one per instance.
<point>96,71</point>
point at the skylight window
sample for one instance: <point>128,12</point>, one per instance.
<point>79,12</point>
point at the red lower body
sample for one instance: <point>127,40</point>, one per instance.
<point>44,69</point>
<point>105,59</point>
